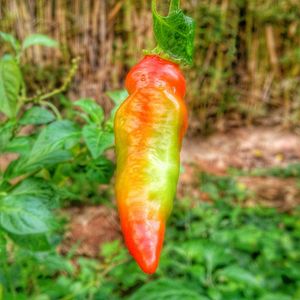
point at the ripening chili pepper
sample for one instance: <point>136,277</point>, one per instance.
<point>149,127</point>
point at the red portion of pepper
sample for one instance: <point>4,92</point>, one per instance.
<point>149,127</point>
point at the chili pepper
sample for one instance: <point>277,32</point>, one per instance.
<point>149,127</point>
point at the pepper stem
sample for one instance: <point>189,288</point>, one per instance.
<point>174,34</point>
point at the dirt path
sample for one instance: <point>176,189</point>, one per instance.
<point>244,149</point>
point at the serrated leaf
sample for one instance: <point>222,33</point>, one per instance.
<point>25,214</point>
<point>10,85</point>
<point>39,39</point>
<point>37,116</point>
<point>174,33</point>
<point>92,109</point>
<point>9,38</point>
<point>97,140</point>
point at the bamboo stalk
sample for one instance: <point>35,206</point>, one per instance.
<point>272,48</point>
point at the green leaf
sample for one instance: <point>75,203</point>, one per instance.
<point>100,170</point>
<point>50,148</point>
<point>117,96</point>
<point>39,39</point>
<point>9,38</point>
<point>37,116</point>
<point>237,274</point>
<point>164,289</point>
<point>10,85</point>
<point>25,211</point>
<point>3,249</point>
<point>174,33</point>
<point>60,134</point>
<point>276,296</point>
<point>6,133</point>
<point>38,188</point>
<point>97,140</point>
<point>20,144</point>
<point>33,242</point>
<point>92,109</point>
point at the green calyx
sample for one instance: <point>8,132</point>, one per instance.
<point>174,34</point>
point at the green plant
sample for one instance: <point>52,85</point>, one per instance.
<point>291,170</point>
<point>212,252</point>
<point>54,156</point>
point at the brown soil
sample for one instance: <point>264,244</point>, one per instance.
<point>244,149</point>
<point>90,227</point>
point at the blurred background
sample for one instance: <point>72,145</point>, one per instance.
<point>235,231</point>
<point>247,56</point>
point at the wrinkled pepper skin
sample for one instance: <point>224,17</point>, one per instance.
<point>149,127</point>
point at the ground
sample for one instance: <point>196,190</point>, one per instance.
<point>242,149</point>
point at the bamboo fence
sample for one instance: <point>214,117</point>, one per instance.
<point>247,58</point>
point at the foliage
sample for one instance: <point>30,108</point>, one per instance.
<point>291,170</point>
<point>55,157</point>
<point>213,251</point>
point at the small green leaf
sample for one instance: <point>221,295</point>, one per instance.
<point>25,213</point>
<point>38,188</point>
<point>9,38</point>
<point>20,144</point>
<point>37,116</point>
<point>10,85</point>
<point>174,33</point>
<point>276,296</point>
<point>6,133</point>
<point>117,96</point>
<point>50,148</point>
<point>237,274</point>
<point>33,242</point>
<point>92,109</point>
<point>97,140</point>
<point>39,39</point>
<point>58,134</point>
<point>100,170</point>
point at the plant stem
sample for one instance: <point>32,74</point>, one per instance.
<point>52,107</point>
<point>174,5</point>
<point>40,97</point>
